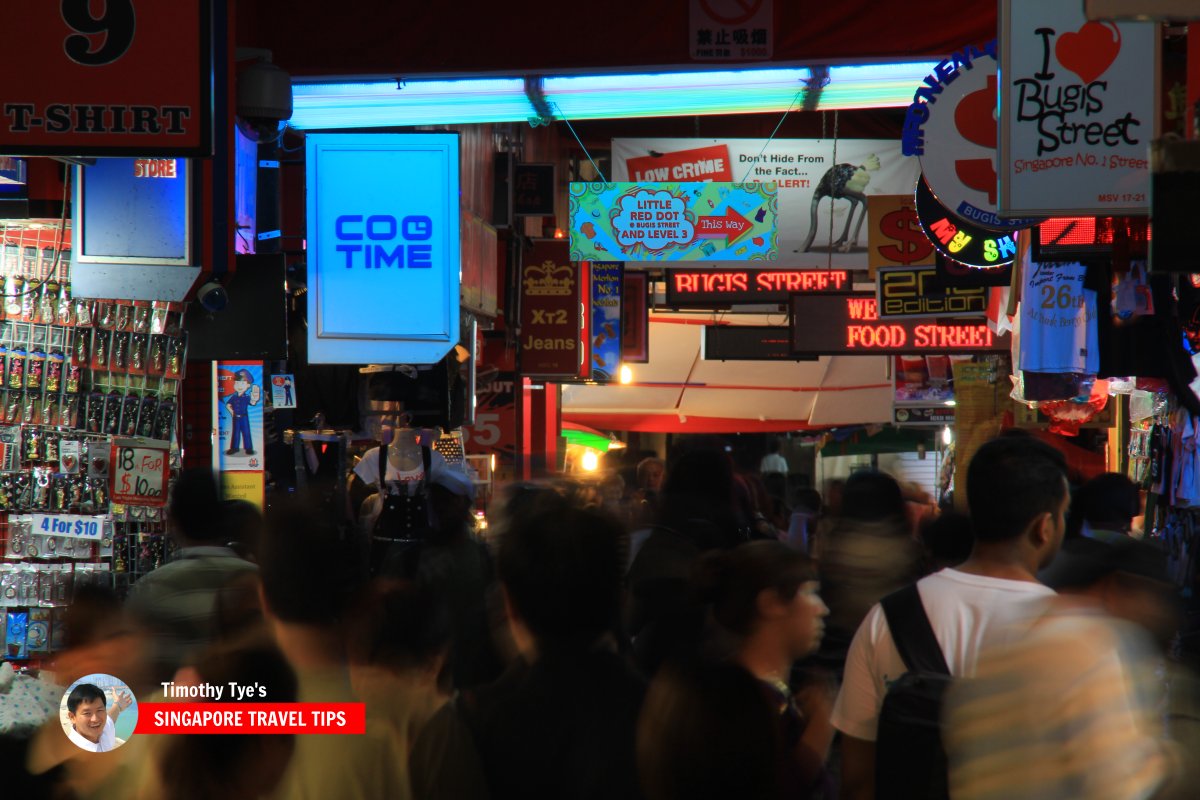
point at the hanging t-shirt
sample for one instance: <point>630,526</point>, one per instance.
<point>1058,320</point>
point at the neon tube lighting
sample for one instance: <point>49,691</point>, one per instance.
<point>370,104</point>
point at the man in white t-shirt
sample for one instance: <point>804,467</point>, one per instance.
<point>92,720</point>
<point>1018,496</point>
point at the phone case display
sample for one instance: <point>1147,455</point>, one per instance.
<point>74,374</point>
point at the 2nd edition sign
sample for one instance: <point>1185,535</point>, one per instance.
<point>121,77</point>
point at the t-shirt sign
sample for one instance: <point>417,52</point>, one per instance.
<point>120,77</point>
<point>138,475</point>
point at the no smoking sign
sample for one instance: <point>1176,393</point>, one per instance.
<point>731,30</point>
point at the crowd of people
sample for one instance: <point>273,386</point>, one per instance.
<point>688,634</point>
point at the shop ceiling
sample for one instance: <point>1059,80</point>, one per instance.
<point>310,39</point>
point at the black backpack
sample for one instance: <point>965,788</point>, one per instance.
<point>910,761</point>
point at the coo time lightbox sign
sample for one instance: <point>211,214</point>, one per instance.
<point>383,247</point>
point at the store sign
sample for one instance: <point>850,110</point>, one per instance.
<point>707,287</point>
<point>1078,110</point>
<point>913,292</point>
<point>533,190</point>
<point>383,264</point>
<point>550,312</point>
<point>821,219</point>
<point>951,127</point>
<point>894,234</point>
<point>673,221</point>
<point>923,415</point>
<point>122,77</point>
<point>138,475</point>
<point>850,325</point>
<point>731,30</point>
<point>960,240</point>
<point>749,343</point>
<point>605,281</point>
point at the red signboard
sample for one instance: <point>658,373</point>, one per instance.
<point>550,312</point>
<point>699,164</point>
<point>119,77</point>
<point>850,324</point>
<point>734,286</point>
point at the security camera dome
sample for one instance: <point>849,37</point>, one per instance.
<point>264,99</point>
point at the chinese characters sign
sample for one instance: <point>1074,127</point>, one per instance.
<point>673,221</point>
<point>730,30</point>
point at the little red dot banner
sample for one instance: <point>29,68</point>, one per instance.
<point>301,718</point>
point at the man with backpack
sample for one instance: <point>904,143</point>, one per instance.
<point>1018,496</point>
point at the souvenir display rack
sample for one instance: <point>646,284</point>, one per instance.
<point>75,373</point>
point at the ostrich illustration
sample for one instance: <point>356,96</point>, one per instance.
<point>849,182</point>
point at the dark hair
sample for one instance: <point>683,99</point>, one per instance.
<point>774,444</point>
<point>309,573</point>
<point>400,625</point>
<point>731,580</point>
<point>871,496</point>
<point>1109,500</point>
<point>243,527</point>
<point>562,568</point>
<point>85,692</point>
<point>947,539</point>
<point>237,764</point>
<point>706,731</point>
<point>808,498</point>
<point>195,507</point>
<point>1010,482</point>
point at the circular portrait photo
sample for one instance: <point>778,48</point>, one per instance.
<point>98,713</point>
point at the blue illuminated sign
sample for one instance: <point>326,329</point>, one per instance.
<point>383,247</point>
<point>134,211</point>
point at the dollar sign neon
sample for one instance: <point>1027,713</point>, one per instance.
<point>912,246</point>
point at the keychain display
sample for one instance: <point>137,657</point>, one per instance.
<point>75,372</point>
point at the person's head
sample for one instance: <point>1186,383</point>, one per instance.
<point>195,508</point>
<point>309,573</point>
<point>947,539</point>
<point>1017,494</point>
<point>706,732</point>
<point>561,568</point>
<point>700,470</point>
<point>1127,577</point>
<point>232,765</point>
<point>774,445</point>
<point>1107,502</point>
<point>809,500</point>
<point>650,472</point>
<point>243,525</point>
<point>401,626</point>
<point>87,709</point>
<point>872,496</point>
<point>765,588</point>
